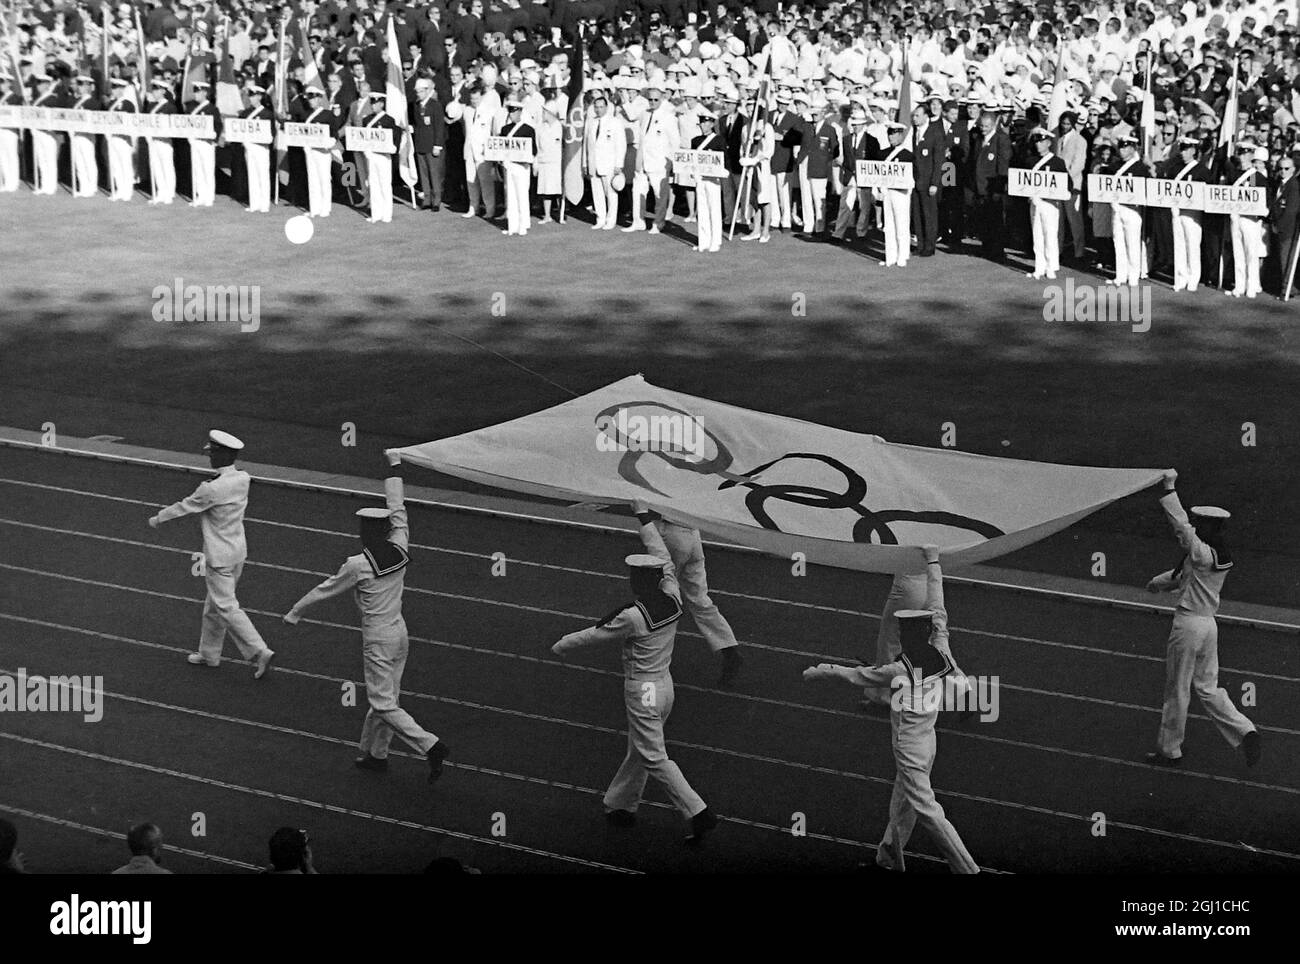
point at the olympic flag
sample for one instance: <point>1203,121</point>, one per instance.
<point>779,484</point>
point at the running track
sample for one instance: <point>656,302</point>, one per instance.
<point>86,588</point>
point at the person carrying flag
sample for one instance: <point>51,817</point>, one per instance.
<point>1192,657</point>
<point>923,664</point>
<point>377,578</point>
<point>647,630</point>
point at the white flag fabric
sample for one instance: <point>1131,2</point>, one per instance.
<point>779,484</point>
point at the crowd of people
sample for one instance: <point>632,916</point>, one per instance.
<point>794,93</point>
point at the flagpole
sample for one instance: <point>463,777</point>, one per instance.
<point>281,90</point>
<point>1232,104</point>
<point>1295,255</point>
<point>747,176</point>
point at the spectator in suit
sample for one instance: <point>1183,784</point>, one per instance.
<point>1073,149</point>
<point>991,160</point>
<point>145,843</point>
<point>928,151</point>
<point>11,861</point>
<point>430,133</point>
<point>290,852</point>
<point>1284,204</point>
<point>952,200</point>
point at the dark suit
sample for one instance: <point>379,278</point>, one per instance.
<point>1283,208</point>
<point>952,205</point>
<point>990,161</point>
<point>928,151</point>
<point>429,131</point>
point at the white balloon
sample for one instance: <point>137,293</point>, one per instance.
<point>299,229</point>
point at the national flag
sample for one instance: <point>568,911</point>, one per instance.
<point>574,117</point>
<point>311,77</point>
<point>395,97</point>
<point>142,71</point>
<point>779,484</point>
<point>230,102</point>
<point>1060,90</point>
<point>11,48</point>
<point>905,95</point>
<point>1148,122</point>
<point>1228,132</point>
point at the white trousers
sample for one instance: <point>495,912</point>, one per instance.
<point>222,614</point>
<point>482,185</point>
<point>708,208</point>
<point>121,167</point>
<point>384,660</point>
<point>9,168</point>
<point>782,200</point>
<point>912,800</point>
<point>692,576</point>
<point>1247,253</point>
<point>320,183</point>
<point>516,177</point>
<point>605,200</point>
<point>1187,248</point>
<point>648,704</point>
<point>1047,238</point>
<point>45,156</point>
<point>203,172</point>
<point>162,170</point>
<point>1192,663</point>
<point>1129,251</point>
<point>379,173</point>
<point>898,226</point>
<point>257,167</point>
<point>85,169</point>
<point>642,184</point>
<point>812,198</point>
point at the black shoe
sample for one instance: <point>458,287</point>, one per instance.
<point>701,824</point>
<point>1250,747</point>
<point>368,762</point>
<point>1158,759</point>
<point>620,818</point>
<point>437,753</point>
<point>732,661</point>
<point>435,208</point>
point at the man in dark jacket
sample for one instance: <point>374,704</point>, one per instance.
<point>430,134</point>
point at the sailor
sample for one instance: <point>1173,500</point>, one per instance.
<point>1192,657</point>
<point>220,504</point>
<point>919,678</point>
<point>647,630</point>
<point>377,577</point>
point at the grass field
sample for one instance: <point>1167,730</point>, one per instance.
<point>392,328</point>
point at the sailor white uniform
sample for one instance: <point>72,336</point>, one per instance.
<point>10,141</point>
<point>45,153</point>
<point>220,504</point>
<point>1187,230</point>
<point>1045,213</point>
<point>203,164</point>
<point>647,632</point>
<point>517,173</point>
<point>85,169</point>
<point>1130,253</point>
<point>377,577</point>
<point>121,151</point>
<point>912,722</point>
<point>1247,241</point>
<point>379,166</point>
<point>897,208</point>
<point>162,160</point>
<point>257,159</point>
<point>320,184</point>
<point>1192,656</point>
